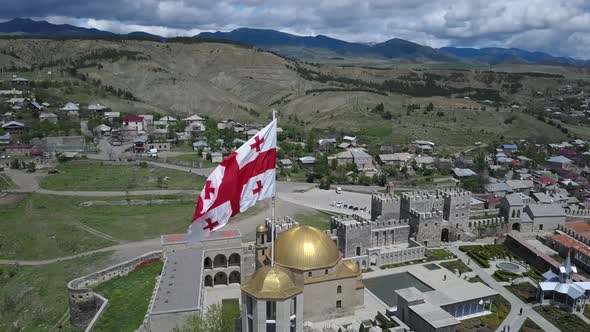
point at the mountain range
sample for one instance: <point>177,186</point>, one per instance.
<point>314,46</point>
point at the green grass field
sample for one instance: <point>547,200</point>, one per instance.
<point>95,176</point>
<point>47,226</point>
<point>524,291</point>
<point>34,298</point>
<point>530,326</point>
<point>194,158</point>
<point>6,182</point>
<point>562,320</point>
<point>456,265</point>
<point>500,310</point>
<point>129,298</point>
<point>318,219</point>
<point>439,254</point>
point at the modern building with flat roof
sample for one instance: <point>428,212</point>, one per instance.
<point>441,309</point>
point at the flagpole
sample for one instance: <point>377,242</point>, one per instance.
<point>272,250</point>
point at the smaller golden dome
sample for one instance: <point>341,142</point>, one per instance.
<point>273,283</point>
<point>353,266</point>
<point>261,229</point>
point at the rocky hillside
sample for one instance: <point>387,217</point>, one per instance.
<point>209,78</point>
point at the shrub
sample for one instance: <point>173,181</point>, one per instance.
<point>502,275</point>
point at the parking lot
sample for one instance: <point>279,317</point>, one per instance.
<point>326,199</point>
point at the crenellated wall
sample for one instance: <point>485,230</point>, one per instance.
<point>386,206</point>
<point>426,227</point>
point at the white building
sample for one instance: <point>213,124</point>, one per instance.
<point>562,291</point>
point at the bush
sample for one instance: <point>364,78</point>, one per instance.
<point>502,275</point>
<point>325,183</point>
<point>15,164</point>
<point>479,260</point>
<point>143,164</point>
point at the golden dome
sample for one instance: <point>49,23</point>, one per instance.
<point>261,228</point>
<point>306,248</point>
<point>272,283</point>
<point>353,266</point>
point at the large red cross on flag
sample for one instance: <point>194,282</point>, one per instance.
<point>246,176</point>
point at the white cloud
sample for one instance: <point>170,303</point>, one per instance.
<point>557,26</point>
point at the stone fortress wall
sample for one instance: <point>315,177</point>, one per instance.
<point>84,303</point>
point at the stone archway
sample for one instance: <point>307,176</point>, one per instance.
<point>208,264</point>
<point>234,260</point>
<point>220,261</point>
<point>444,235</point>
<point>208,281</point>
<point>373,259</point>
<point>234,277</point>
<point>516,227</point>
<point>220,279</point>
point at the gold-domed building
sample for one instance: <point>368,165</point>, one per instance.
<point>309,281</point>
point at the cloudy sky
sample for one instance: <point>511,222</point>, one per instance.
<point>561,27</point>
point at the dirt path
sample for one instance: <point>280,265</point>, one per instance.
<point>98,233</point>
<point>146,245</point>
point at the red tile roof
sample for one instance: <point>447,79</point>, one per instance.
<point>569,242</point>
<point>578,226</point>
<point>19,146</point>
<point>546,180</point>
<point>133,118</point>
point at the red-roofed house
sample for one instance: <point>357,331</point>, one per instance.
<point>133,122</point>
<point>580,252</point>
<point>19,150</point>
<point>579,230</point>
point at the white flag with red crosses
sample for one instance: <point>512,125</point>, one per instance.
<point>246,176</point>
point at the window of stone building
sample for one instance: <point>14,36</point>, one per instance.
<point>326,271</point>
<point>339,289</point>
<point>249,305</point>
<point>358,251</point>
<point>271,310</point>
<point>250,324</point>
<point>293,306</point>
<point>309,274</point>
<point>541,227</point>
<point>338,304</point>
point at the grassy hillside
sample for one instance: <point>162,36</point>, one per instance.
<point>243,83</point>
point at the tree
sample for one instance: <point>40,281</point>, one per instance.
<point>479,164</point>
<point>430,107</point>
<point>31,167</point>
<point>15,164</point>
<point>214,320</point>
<point>325,183</point>
<point>310,144</point>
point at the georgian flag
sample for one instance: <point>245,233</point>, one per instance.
<point>246,176</point>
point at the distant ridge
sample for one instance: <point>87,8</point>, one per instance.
<point>391,49</point>
<point>296,46</point>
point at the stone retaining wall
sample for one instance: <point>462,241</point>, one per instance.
<point>84,304</point>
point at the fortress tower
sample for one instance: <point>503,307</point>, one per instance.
<point>427,227</point>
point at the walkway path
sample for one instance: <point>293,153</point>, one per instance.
<point>155,243</point>
<point>514,319</point>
